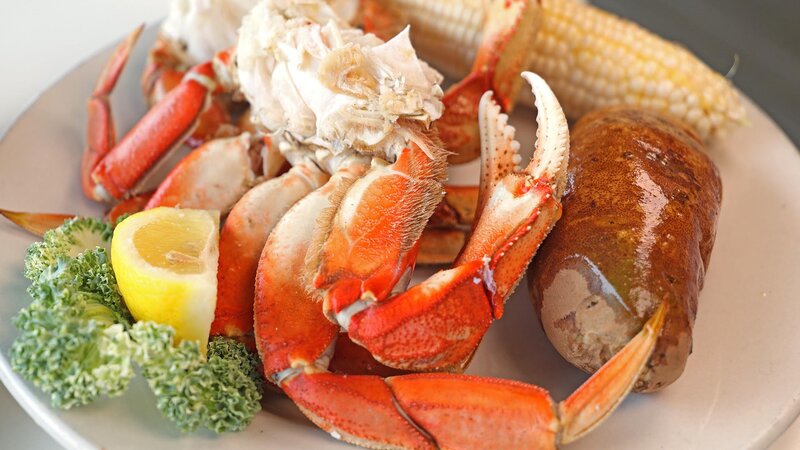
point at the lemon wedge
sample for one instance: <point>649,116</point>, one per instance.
<point>165,261</point>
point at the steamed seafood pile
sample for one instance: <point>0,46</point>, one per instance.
<point>325,146</point>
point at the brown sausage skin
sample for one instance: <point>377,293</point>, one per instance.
<point>639,219</point>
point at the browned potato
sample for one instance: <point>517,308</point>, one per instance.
<point>639,218</point>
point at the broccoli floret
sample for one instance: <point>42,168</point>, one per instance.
<point>73,342</point>
<point>67,241</point>
<point>72,350</point>
<point>237,355</point>
<point>221,392</point>
<point>87,279</point>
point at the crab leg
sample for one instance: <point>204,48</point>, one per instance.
<point>100,133</point>
<point>284,326</point>
<point>163,72</point>
<point>242,240</point>
<point>35,223</point>
<point>439,323</point>
<point>447,230</point>
<point>162,129</point>
<point>526,203</point>
<point>434,410</point>
<point>214,176</point>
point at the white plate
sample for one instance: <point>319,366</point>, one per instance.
<point>741,388</point>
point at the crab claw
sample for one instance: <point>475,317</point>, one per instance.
<point>368,240</point>
<point>517,207</point>
<point>439,323</point>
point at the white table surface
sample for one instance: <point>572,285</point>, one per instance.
<point>39,41</point>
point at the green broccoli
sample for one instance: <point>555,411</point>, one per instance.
<point>87,279</point>
<point>72,342</point>
<point>221,392</point>
<point>67,241</point>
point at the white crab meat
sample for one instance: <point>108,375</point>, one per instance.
<point>205,26</point>
<point>309,75</point>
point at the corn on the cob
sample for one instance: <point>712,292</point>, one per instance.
<point>589,57</point>
<point>594,59</point>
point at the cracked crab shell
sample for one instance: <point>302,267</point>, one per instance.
<point>638,224</point>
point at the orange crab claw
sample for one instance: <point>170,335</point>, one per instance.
<point>439,323</point>
<point>527,202</point>
<point>368,240</point>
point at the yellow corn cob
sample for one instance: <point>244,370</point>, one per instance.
<point>589,57</point>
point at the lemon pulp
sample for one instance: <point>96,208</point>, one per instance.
<point>165,261</point>
<point>174,245</point>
